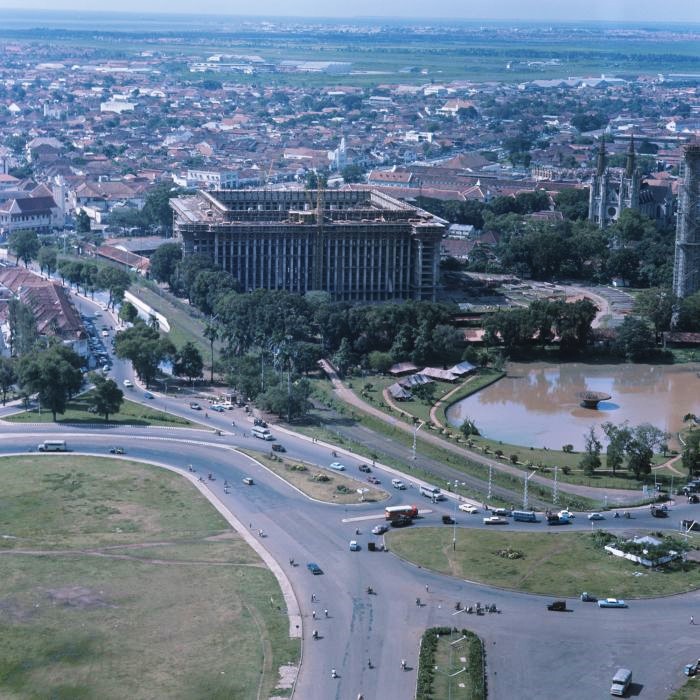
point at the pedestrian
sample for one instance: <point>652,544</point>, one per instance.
<point>313,614</point>
<point>427,588</point>
<point>692,620</point>
<point>325,612</point>
<point>313,597</point>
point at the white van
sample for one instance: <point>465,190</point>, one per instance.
<point>398,484</point>
<point>52,446</point>
<point>621,681</point>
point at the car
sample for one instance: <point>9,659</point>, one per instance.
<point>503,512</point>
<point>558,606</point>
<point>116,450</point>
<point>611,603</point>
<point>565,514</point>
<point>337,466</point>
<point>398,484</point>
<point>314,568</point>
<point>195,406</point>
<point>364,468</point>
<point>448,520</point>
<point>128,383</point>
<point>403,521</point>
<point>373,480</point>
<point>248,480</point>
<point>354,547</point>
<point>379,529</point>
<point>218,408</point>
<point>495,520</point>
<point>278,448</point>
<point>588,598</point>
<point>468,508</point>
<point>105,334</point>
<point>596,516</point>
<point>148,395</point>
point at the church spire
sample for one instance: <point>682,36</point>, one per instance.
<point>600,169</point>
<point>631,157</point>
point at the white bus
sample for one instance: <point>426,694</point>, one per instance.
<point>432,492</point>
<point>52,446</point>
<point>260,432</point>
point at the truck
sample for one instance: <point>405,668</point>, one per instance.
<point>659,511</point>
<point>397,512</point>
<point>525,516</point>
<point>557,519</point>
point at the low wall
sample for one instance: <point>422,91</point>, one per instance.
<point>148,311</point>
<point>641,560</point>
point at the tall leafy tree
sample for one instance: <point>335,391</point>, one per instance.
<point>25,245</point>
<point>691,453</point>
<point>8,376</point>
<point>22,325</point>
<point>188,362</point>
<point>115,281</point>
<point>106,397</point>
<point>164,260</point>
<point>47,258</point>
<point>145,348</point>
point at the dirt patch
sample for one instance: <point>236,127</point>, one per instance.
<point>77,597</point>
<point>288,676</point>
<point>14,612</point>
<point>228,535</point>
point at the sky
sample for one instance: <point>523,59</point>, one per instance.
<point>539,10</point>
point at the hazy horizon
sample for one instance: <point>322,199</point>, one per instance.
<point>634,11</point>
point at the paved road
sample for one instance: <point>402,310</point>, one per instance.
<point>527,647</point>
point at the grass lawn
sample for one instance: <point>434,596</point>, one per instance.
<point>690,691</point>
<point>131,413</point>
<point>338,489</point>
<point>467,654</point>
<point>141,589</point>
<point>324,392</point>
<point>556,564</point>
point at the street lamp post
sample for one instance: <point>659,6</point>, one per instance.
<point>454,520</point>
<point>525,498</point>
<point>416,428</point>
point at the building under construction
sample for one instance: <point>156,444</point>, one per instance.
<point>686,268</point>
<point>358,245</point>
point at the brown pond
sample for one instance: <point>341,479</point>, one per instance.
<point>537,404</point>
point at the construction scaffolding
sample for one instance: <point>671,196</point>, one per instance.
<point>686,268</point>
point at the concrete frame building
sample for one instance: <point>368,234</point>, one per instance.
<point>686,267</point>
<point>358,245</point>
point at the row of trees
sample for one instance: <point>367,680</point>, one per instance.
<point>536,326</point>
<point>91,277</point>
<point>631,448</point>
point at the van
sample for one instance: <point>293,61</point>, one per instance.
<point>52,446</point>
<point>621,681</point>
<point>398,484</point>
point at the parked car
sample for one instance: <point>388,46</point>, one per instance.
<point>354,547</point>
<point>337,466</point>
<point>278,448</point>
<point>596,516</point>
<point>468,508</point>
<point>379,529</point>
<point>248,480</point>
<point>365,468</point>
<point>373,480</point>
<point>611,603</point>
<point>495,520</point>
<point>195,406</point>
<point>314,568</point>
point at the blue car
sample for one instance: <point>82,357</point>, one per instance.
<point>315,569</point>
<point>148,395</point>
<point>611,603</point>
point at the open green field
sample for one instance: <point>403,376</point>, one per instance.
<point>121,581</point>
<point>131,413</point>
<point>690,691</point>
<point>557,564</point>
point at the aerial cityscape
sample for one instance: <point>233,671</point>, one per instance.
<point>350,353</point>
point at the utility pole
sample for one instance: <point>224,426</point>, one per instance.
<point>488,495</point>
<point>527,479</point>
<point>555,490</point>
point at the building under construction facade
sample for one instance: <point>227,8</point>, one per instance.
<point>686,268</point>
<point>358,245</point>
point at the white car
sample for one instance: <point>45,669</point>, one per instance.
<point>128,383</point>
<point>379,529</point>
<point>468,508</point>
<point>398,484</point>
<point>337,466</point>
<point>495,520</point>
<point>565,514</point>
<point>354,547</point>
<point>596,516</point>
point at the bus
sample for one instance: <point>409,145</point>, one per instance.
<point>52,446</point>
<point>432,492</point>
<point>525,516</point>
<point>397,512</point>
<point>260,432</point>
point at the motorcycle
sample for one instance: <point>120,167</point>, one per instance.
<point>370,590</point>
<point>617,515</point>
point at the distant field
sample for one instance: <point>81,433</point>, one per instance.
<point>119,580</point>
